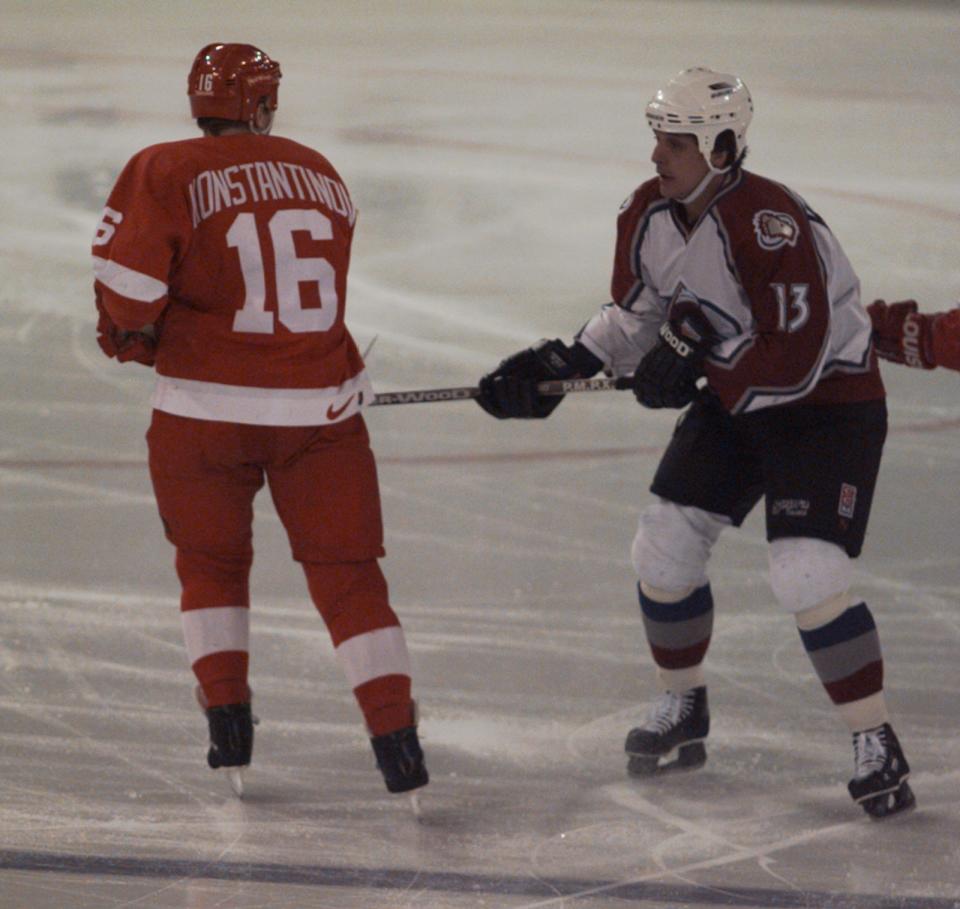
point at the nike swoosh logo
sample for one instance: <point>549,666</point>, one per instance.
<point>333,413</point>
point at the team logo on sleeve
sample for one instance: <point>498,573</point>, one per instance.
<point>775,229</point>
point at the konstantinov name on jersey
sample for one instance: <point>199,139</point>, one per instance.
<point>214,190</point>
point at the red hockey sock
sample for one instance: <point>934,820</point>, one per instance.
<point>223,677</point>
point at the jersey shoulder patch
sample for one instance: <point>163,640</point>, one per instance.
<point>775,229</point>
<point>762,214</point>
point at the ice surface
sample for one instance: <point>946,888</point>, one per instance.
<point>488,146</point>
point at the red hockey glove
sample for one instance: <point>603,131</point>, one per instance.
<point>901,334</point>
<point>946,339</point>
<point>124,345</point>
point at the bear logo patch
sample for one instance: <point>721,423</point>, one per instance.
<point>775,229</point>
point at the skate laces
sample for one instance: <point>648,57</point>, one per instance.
<point>668,710</point>
<point>869,752</point>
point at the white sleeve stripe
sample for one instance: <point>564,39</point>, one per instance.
<point>128,283</point>
<point>215,629</point>
<point>373,654</point>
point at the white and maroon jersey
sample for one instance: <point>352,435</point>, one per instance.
<point>769,276</point>
<point>239,247</point>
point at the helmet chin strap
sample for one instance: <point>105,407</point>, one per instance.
<point>704,183</point>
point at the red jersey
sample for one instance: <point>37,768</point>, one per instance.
<point>239,247</point>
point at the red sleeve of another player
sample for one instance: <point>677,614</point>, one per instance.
<point>946,339</point>
<point>145,224</point>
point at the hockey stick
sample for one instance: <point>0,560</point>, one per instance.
<point>466,393</point>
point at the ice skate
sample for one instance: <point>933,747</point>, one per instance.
<point>231,741</point>
<point>879,784</point>
<point>400,760</point>
<point>671,738</point>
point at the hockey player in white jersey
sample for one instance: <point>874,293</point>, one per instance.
<point>730,295</point>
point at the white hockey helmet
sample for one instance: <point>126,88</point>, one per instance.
<point>705,104</point>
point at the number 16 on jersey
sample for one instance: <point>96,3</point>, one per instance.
<point>290,271</point>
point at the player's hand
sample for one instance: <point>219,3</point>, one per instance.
<point>667,375</point>
<point>129,345</point>
<point>901,334</point>
<point>124,345</point>
<point>510,391</point>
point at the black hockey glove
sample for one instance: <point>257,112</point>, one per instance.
<point>510,391</point>
<point>667,375</point>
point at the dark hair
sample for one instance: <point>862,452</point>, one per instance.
<point>726,143</point>
<point>217,125</point>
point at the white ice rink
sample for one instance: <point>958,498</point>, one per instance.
<point>488,146</point>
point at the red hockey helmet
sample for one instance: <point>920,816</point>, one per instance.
<point>227,81</point>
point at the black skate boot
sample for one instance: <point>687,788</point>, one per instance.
<point>400,759</point>
<point>672,736</point>
<point>231,741</point>
<point>879,784</point>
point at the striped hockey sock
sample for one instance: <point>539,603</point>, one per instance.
<point>846,656</point>
<point>678,632</point>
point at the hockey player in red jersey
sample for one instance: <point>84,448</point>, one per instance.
<point>903,334</point>
<point>731,295</point>
<point>222,260</point>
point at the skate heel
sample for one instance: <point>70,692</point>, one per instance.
<point>899,801</point>
<point>692,756</point>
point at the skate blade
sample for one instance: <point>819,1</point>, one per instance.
<point>415,806</point>
<point>235,776</point>
<point>894,803</point>
<point>690,756</point>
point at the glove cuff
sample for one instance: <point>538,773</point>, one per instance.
<point>685,350</point>
<point>584,361</point>
<point>564,362</point>
<point>916,341</point>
